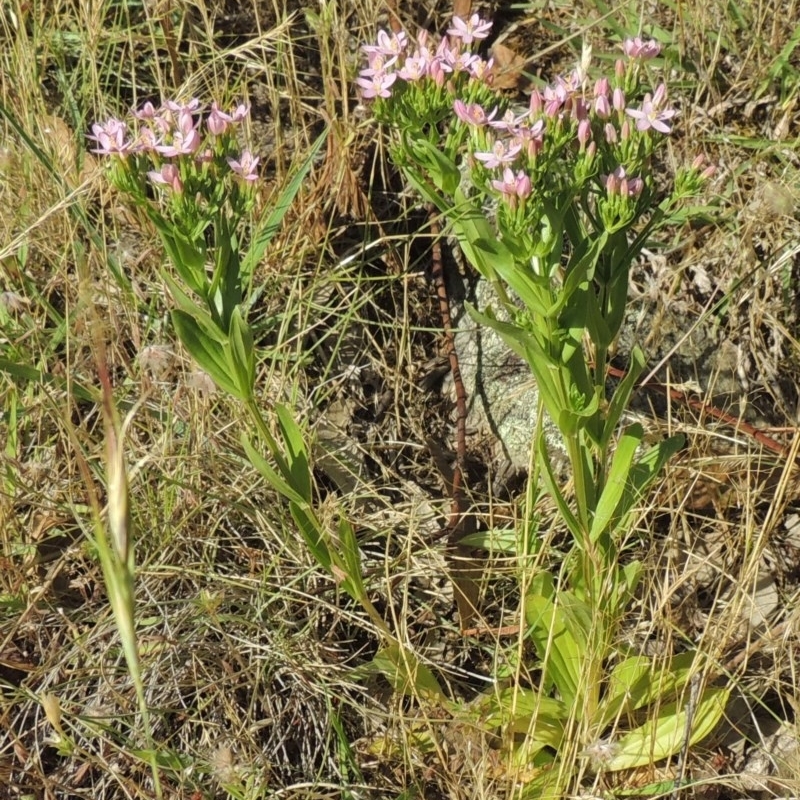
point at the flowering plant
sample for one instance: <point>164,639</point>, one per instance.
<point>186,170</point>
<point>552,203</point>
<point>197,187</point>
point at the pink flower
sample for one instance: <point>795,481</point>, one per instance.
<point>178,108</point>
<point>438,71</point>
<point>618,99</point>
<point>146,112</point>
<point>110,136</point>
<point>378,85</point>
<point>388,45</point>
<point>472,114</point>
<point>584,133</point>
<point>377,63</point>
<point>499,154</point>
<point>463,61</point>
<point>146,141</point>
<point>619,183</point>
<point>473,28</point>
<point>636,48</point>
<point>480,69</point>
<point>241,112</point>
<point>650,114</point>
<point>185,137</point>
<point>245,167</point>
<point>513,186</point>
<point>509,122</point>
<point>168,176</point>
<point>414,69</point>
<point>218,121</point>
<point>530,138</point>
<point>602,107</point>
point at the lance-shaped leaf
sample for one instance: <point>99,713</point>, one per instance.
<point>209,354</point>
<point>663,734</point>
<point>268,227</point>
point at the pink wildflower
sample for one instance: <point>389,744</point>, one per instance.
<point>388,44</point>
<point>637,48</point>
<point>619,183</point>
<point>185,137</point>
<point>218,121</point>
<point>146,112</point>
<point>245,167</point>
<point>469,30</point>
<point>378,85</point>
<point>499,154</point>
<point>178,108</point>
<point>473,113</point>
<point>650,114</point>
<point>110,136</point>
<point>168,176</point>
<point>584,133</point>
<point>531,138</point>
<point>513,186</point>
<point>509,122</point>
<point>414,69</point>
<point>481,69</point>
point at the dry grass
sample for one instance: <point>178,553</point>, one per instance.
<point>247,648</point>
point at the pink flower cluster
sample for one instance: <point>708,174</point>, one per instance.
<point>173,131</point>
<point>592,114</point>
<point>391,58</point>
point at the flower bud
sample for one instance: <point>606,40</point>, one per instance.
<point>610,133</point>
<point>584,132</point>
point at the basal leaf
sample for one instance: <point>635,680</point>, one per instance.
<point>209,354</point>
<point>663,735</point>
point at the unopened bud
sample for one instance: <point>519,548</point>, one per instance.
<point>619,68</point>
<point>584,132</point>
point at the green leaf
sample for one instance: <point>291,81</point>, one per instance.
<point>352,559</point>
<point>267,228</point>
<point>638,681</point>
<point>616,481</point>
<point>522,710</point>
<point>496,540</point>
<point>312,534</point>
<point>405,672</point>
<point>578,273</point>
<point>241,355</point>
<point>441,169</point>
<point>622,394</point>
<point>208,353</point>
<point>200,315</point>
<point>296,455</point>
<point>188,259</point>
<point>645,471</point>
<point>559,623</point>
<point>663,735</point>
<point>549,478</point>
<point>269,474</point>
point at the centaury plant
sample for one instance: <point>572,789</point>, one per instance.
<point>552,203</point>
<point>185,169</point>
